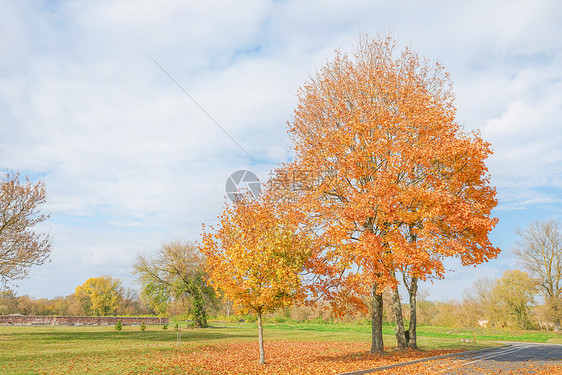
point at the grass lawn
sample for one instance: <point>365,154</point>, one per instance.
<point>226,348</point>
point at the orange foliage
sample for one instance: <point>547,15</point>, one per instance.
<point>255,255</point>
<point>410,186</point>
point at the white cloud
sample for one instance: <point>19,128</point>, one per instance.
<point>526,139</point>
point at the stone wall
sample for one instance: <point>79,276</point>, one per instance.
<point>79,320</point>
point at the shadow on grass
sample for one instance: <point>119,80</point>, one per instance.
<point>87,334</point>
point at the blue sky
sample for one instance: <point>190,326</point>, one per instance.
<point>130,161</point>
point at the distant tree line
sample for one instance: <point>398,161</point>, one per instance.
<point>98,296</point>
<point>510,301</point>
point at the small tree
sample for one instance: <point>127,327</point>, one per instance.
<point>255,256</point>
<point>119,326</point>
<point>20,245</point>
<point>142,326</point>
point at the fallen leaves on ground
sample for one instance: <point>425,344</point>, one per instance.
<point>283,357</point>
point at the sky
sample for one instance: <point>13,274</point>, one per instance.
<point>96,101</point>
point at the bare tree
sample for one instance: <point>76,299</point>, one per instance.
<point>540,252</point>
<point>20,245</point>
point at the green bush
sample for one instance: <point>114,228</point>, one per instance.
<point>248,318</point>
<point>142,326</point>
<point>165,327</point>
<point>279,319</point>
<point>119,326</point>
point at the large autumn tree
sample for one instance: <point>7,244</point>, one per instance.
<point>255,255</point>
<point>21,245</point>
<point>397,183</point>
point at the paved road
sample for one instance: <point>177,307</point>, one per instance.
<point>525,357</point>
<point>512,358</point>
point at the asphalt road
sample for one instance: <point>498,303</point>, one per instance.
<point>525,357</point>
<point>511,358</point>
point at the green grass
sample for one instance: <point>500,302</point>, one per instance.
<point>354,331</point>
<point>485,334</point>
<point>57,350</point>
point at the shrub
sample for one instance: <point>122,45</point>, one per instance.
<point>119,326</point>
<point>279,319</point>
<point>165,327</point>
<point>142,326</point>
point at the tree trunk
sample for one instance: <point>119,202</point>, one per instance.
<point>397,307</point>
<point>413,292</point>
<point>377,345</point>
<point>555,307</point>
<point>260,338</point>
<point>229,305</point>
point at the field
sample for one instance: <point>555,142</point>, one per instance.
<point>225,348</point>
